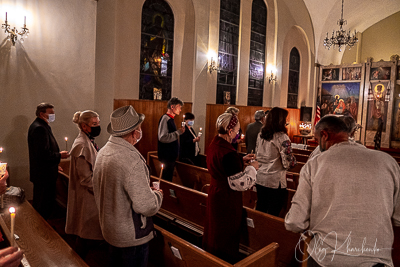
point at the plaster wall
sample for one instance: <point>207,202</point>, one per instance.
<point>55,64</point>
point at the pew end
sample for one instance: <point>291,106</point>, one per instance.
<point>170,250</point>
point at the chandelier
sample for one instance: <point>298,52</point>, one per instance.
<point>341,38</point>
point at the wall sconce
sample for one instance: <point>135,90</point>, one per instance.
<point>12,34</point>
<point>271,69</point>
<point>212,66</point>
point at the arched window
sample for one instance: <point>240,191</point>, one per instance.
<point>294,71</point>
<point>156,50</point>
<point>228,51</point>
<point>257,53</point>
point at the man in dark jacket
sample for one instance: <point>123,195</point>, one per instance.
<point>168,137</point>
<point>44,157</point>
<point>253,129</point>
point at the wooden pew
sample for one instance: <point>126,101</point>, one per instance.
<point>302,152</point>
<point>169,250</point>
<point>301,157</point>
<point>42,245</point>
<point>187,207</point>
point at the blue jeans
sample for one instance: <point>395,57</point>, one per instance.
<point>136,256</point>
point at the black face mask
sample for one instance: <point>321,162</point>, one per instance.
<point>95,131</point>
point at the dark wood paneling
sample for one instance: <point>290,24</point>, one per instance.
<point>153,110</point>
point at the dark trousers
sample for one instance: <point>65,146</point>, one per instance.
<point>83,246</point>
<point>136,256</point>
<point>168,172</point>
<point>312,263</point>
<point>44,198</point>
<point>270,200</point>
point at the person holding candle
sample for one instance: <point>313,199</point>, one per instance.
<point>44,157</point>
<point>168,137</point>
<point>82,214</point>
<point>189,142</point>
<point>124,198</point>
<point>274,152</point>
<point>11,257</point>
<point>230,174</point>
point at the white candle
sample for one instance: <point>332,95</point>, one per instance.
<point>162,168</point>
<point>66,143</point>
<point>12,214</point>
<point>24,21</point>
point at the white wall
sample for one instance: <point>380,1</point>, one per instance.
<point>55,64</point>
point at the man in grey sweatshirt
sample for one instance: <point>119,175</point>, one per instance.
<point>348,197</point>
<point>121,185</point>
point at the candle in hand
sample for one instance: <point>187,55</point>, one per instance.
<point>66,143</point>
<point>162,168</point>
<point>12,213</point>
<point>200,133</point>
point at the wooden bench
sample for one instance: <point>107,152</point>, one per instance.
<point>301,157</point>
<point>42,245</point>
<point>169,250</point>
<point>187,207</point>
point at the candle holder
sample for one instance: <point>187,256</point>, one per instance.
<point>305,128</point>
<point>12,33</point>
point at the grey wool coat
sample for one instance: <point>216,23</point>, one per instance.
<point>82,212</point>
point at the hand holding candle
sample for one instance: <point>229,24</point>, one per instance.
<point>66,143</point>
<point>162,168</point>
<point>12,214</point>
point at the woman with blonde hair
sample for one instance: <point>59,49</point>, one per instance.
<point>230,174</point>
<point>82,214</point>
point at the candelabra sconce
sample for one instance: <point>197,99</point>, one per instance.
<point>271,69</point>
<point>212,65</point>
<point>271,78</point>
<point>12,33</point>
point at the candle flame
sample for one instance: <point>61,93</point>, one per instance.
<point>11,210</point>
<point>162,166</point>
<point>201,129</point>
<point>66,138</point>
<point>1,149</point>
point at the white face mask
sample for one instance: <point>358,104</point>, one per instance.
<point>52,117</point>
<point>140,136</point>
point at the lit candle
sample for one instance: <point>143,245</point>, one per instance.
<point>12,214</point>
<point>200,133</point>
<point>242,136</point>
<point>1,150</point>
<point>162,168</point>
<point>66,143</point>
<point>183,122</point>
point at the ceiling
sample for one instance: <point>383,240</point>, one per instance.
<point>360,15</point>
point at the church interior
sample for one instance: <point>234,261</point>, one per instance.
<point>211,54</point>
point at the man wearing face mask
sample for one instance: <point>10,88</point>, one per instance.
<point>44,157</point>
<point>124,198</point>
<point>82,214</point>
<point>168,137</point>
<point>189,142</point>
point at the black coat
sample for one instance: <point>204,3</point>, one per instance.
<point>44,153</point>
<point>187,147</point>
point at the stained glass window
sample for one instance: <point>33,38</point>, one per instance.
<point>294,71</point>
<point>228,51</point>
<point>156,50</point>
<point>257,53</point>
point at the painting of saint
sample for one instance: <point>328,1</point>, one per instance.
<point>381,73</point>
<point>330,74</point>
<point>377,108</point>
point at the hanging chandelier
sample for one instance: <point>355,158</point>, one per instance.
<point>341,38</point>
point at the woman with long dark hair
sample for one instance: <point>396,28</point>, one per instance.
<point>274,155</point>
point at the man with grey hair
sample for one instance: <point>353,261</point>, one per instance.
<point>253,129</point>
<point>121,185</point>
<point>347,198</point>
<point>168,137</point>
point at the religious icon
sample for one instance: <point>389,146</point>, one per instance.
<point>227,97</point>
